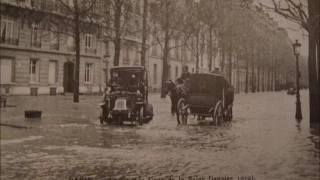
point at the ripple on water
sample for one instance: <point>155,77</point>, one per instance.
<point>21,140</point>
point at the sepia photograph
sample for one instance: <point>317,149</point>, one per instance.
<point>159,89</point>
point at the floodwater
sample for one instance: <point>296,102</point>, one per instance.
<point>263,141</point>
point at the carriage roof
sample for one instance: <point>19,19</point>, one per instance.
<point>128,68</point>
<point>207,83</point>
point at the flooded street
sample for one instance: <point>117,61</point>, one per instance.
<point>263,141</point>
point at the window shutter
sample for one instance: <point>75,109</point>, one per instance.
<point>93,73</point>
<point>38,65</point>
<point>13,77</point>
<point>57,71</point>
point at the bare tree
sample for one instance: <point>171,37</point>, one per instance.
<point>168,24</point>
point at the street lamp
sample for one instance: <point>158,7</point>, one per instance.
<point>106,58</point>
<point>296,50</point>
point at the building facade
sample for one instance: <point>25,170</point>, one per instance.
<point>35,60</point>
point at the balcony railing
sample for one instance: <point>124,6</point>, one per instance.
<point>91,51</point>
<point>72,48</point>
<point>54,46</point>
<point>126,61</point>
<point>36,44</point>
<point>12,41</point>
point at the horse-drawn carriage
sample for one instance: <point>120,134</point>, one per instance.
<point>128,102</point>
<point>205,95</point>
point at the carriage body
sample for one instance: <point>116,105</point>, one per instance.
<point>206,97</point>
<point>130,102</point>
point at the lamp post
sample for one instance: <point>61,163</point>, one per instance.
<point>106,58</point>
<point>296,49</point>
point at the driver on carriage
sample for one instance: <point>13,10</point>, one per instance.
<point>116,82</point>
<point>185,74</point>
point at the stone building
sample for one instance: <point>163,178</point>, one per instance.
<point>35,60</point>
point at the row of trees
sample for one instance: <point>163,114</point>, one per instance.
<point>240,32</point>
<point>306,14</point>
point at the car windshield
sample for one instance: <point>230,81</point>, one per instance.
<point>131,77</point>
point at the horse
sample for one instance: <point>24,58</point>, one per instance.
<point>175,91</point>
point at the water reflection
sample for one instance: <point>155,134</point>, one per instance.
<point>298,124</point>
<point>314,131</point>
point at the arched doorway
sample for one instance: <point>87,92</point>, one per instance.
<point>68,76</point>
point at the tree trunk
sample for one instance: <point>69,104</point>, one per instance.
<point>230,61</point>
<point>77,43</point>
<point>223,55</point>
<point>144,33</point>
<point>252,72</point>
<point>238,75</point>
<point>210,49</point>
<point>263,79</point>
<point>258,77</point>
<point>117,26</point>
<point>197,53</point>
<point>268,80</point>
<point>166,50</point>
<point>313,8</point>
<point>247,76</point>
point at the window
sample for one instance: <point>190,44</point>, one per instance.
<point>138,6</point>
<point>90,43</point>
<point>88,40</point>
<point>177,72</point>
<point>169,55</point>
<point>136,60</point>
<point>155,74</point>
<point>6,71</point>
<point>71,44</point>
<point>192,70</point>
<point>54,39</point>
<point>126,57</point>
<point>177,54</point>
<point>36,36</point>
<point>53,72</point>
<point>9,30</point>
<point>138,29</point>
<point>88,76</point>
<point>104,78</point>
<point>34,70</point>
<point>169,71</point>
<point>184,53</point>
<point>154,50</point>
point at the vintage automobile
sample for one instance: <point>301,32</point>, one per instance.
<point>208,95</point>
<point>128,103</point>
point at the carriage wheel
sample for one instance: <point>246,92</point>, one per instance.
<point>141,116</point>
<point>218,114</point>
<point>182,114</point>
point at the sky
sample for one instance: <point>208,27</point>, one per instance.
<point>288,25</point>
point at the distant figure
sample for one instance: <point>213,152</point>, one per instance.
<point>185,74</point>
<point>217,71</point>
<point>134,84</point>
<point>116,82</point>
<point>134,80</point>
